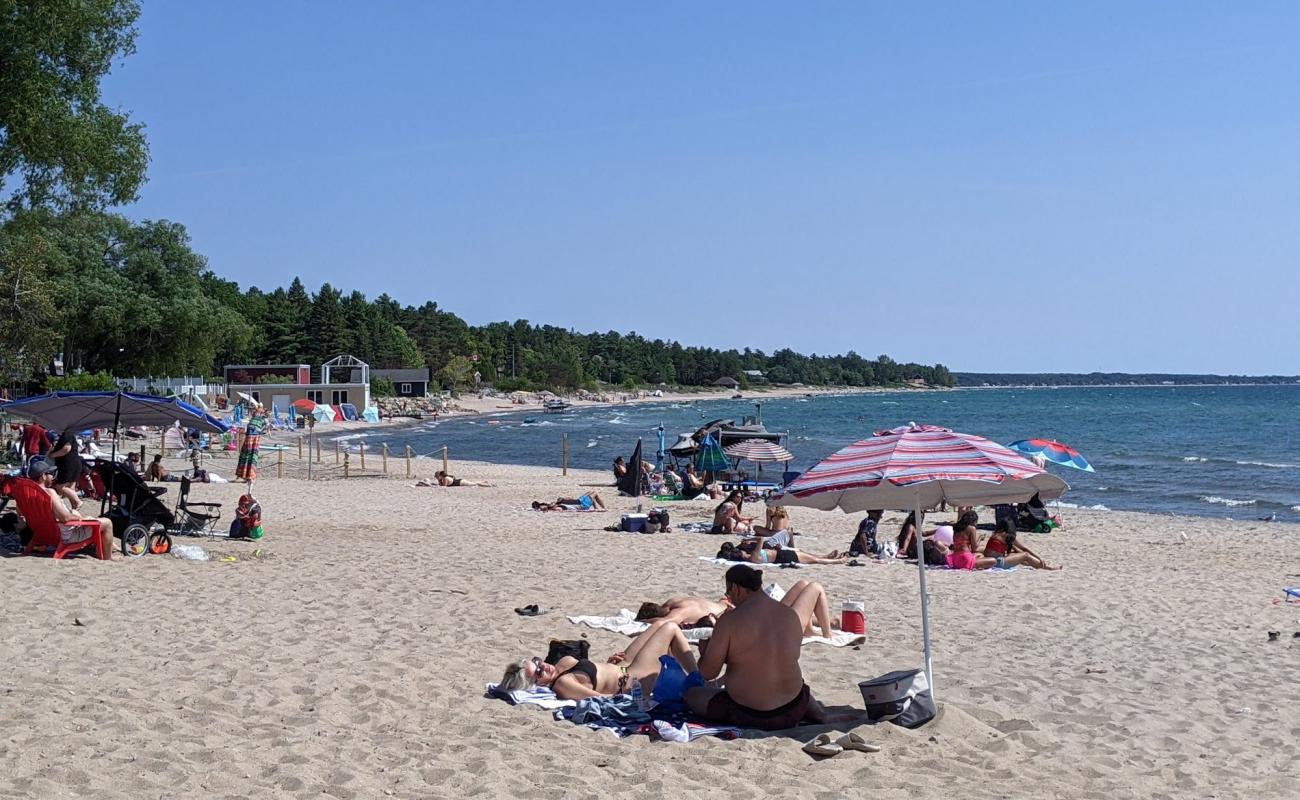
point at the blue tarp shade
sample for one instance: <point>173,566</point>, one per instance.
<point>77,410</point>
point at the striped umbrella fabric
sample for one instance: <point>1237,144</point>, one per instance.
<point>759,450</point>
<point>1054,451</point>
<point>925,464</point>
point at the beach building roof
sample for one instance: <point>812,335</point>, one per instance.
<point>402,375</point>
<point>731,383</point>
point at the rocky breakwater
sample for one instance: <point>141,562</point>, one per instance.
<point>410,406</point>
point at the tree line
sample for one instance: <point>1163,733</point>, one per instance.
<point>133,298</point>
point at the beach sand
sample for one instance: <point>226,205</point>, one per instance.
<point>345,655</point>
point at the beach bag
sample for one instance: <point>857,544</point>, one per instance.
<point>901,697</point>
<point>659,516</point>
<point>559,648</point>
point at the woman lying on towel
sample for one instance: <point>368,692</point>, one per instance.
<point>441,478</point>
<point>587,502</point>
<point>685,611</point>
<point>576,679</point>
<point>751,552</point>
<point>807,598</point>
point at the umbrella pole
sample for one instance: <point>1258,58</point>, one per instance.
<point>112,469</point>
<point>925,598</point>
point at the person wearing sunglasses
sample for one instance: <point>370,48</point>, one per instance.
<point>577,679</point>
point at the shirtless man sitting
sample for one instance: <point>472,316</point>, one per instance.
<point>758,643</point>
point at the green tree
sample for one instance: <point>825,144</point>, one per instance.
<point>27,339</point>
<point>64,146</point>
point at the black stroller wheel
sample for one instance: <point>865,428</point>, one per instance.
<point>160,543</point>
<point>135,540</point>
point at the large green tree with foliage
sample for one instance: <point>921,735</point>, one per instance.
<point>60,146</point>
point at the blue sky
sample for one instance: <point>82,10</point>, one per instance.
<point>994,186</point>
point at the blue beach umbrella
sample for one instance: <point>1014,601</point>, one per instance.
<point>1053,451</point>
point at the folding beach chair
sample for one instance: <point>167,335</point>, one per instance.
<point>195,519</point>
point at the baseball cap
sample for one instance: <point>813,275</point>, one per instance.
<point>38,468</point>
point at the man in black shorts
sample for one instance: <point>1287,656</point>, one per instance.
<point>758,643</point>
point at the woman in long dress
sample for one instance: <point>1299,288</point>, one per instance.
<point>246,470</point>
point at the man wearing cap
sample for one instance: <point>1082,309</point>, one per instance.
<point>43,473</point>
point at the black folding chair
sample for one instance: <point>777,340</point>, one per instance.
<point>195,519</point>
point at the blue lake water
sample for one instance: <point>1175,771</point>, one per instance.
<point>1227,451</point>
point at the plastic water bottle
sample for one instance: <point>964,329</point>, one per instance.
<point>638,508</point>
<point>638,698</point>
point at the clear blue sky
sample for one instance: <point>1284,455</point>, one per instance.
<point>995,186</point>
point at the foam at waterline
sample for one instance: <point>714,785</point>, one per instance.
<point>1097,507</point>
<point>1226,501</point>
<point>1267,464</point>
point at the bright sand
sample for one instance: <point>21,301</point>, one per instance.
<point>348,658</point>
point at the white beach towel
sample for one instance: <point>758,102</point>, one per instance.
<point>537,696</point>
<point>625,622</point>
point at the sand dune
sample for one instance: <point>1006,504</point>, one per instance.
<point>345,656</point>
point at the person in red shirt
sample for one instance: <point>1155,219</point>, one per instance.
<point>35,442</point>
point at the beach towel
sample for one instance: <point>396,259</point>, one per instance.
<point>537,696</point>
<point>625,622</point>
<point>670,724</point>
<point>1291,593</point>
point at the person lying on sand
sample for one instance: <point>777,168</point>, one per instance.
<point>758,645</point>
<point>586,502</point>
<point>754,554</point>
<point>695,611</point>
<point>577,679</point>
<point>441,478</point>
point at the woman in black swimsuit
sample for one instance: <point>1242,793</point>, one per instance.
<point>576,679</point>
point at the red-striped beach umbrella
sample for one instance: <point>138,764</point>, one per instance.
<point>916,468</point>
<point>758,450</point>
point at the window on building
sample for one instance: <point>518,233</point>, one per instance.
<point>257,397</point>
<point>316,395</point>
<point>405,388</point>
<point>340,396</point>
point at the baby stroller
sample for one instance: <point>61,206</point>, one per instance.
<point>139,518</point>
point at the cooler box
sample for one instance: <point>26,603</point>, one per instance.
<point>633,523</point>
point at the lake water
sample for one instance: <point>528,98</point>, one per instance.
<point>1228,451</point>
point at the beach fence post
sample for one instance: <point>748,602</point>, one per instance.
<point>142,461</point>
<point>279,463</point>
<point>408,461</point>
<point>345,464</point>
<point>317,451</point>
<point>564,455</point>
<point>385,458</point>
<point>300,448</point>
<point>444,459</point>
<point>363,454</point>
<point>336,451</point>
<point>162,442</point>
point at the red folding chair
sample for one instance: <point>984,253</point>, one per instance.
<point>34,505</point>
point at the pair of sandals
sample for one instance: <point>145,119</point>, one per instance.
<point>827,746</point>
<point>530,610</point>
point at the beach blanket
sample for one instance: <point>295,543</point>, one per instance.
<point>695,527</point>
<point>625,622</point>
<point>620,716</point>
<point>616,714</point>
<point>537,696</point>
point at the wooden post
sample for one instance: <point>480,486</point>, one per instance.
<point>385,458</point>
<point>408,461</point>
<point>318,451</point>
<point>300,448</point>
<point>162,443</point>
<point>444,459</point>
<point>143,463</point>
<point>564,456</point>
<point>345,464</point>
<point>363,454</point>
<point>336,451</point>
<point>279,463</point>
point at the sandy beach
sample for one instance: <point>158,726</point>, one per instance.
<point>345,655</point>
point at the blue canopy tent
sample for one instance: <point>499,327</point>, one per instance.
<point>77,410</point>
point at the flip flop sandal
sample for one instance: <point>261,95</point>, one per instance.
<point>789,566</point>
<point>531,610</point>
<point>855,563</point>
<point>852,741</point>
<point>823,746</point>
